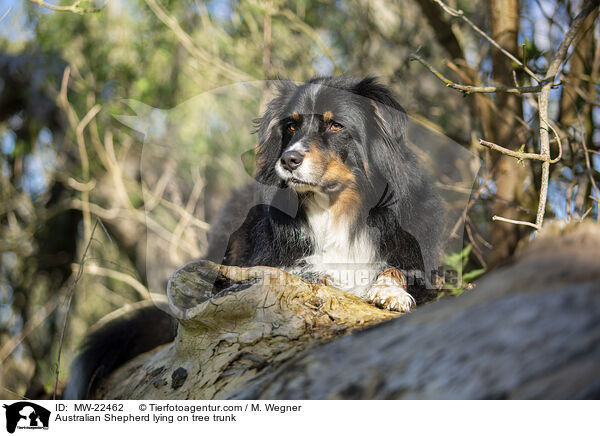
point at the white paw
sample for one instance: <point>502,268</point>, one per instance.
<point>387,292</point>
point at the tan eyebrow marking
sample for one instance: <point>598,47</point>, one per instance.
<point>327,116</point>
<point>296,116</point>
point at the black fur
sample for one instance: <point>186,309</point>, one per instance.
<point>115,343</point>
<point>399,204</point>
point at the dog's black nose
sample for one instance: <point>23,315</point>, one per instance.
<point>291,160</point>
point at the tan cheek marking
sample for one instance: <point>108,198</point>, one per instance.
<point>337,171</point>
<point>345,203</point>
<point>328,116</point>
<point>315,156</point>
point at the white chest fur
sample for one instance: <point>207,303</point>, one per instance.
<point>350,262</point>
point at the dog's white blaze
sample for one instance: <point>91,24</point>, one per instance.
<point>352,264</point>
<point>296,146</point>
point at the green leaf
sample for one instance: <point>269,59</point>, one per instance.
<point>472,275</point>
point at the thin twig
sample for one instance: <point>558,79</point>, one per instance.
<point>71,291</point>
<point>561,53</point>
<point>477,234</point>
<point>74,8</point>
<point>78,126</point>
<point>142,290</point>
<point>581,93</point>
<point>520,155</point>
<point>476,250</point>
<point>588,166</point>
<point>460,14</point>
<point>311,33</point>
<point>469,89</point>
<point>38,318</point>
<point>85,194</point>
<point>586,213</point>
<point>183,223</point>
<point>474,198</point>
<point>525,223</point>
<point>4,15</point>
<point>549,17</point>
<point>516,154</point>
<point>220,66</point>
<point>16,394</point>
<point>142,218</point>
<point>267,39</point>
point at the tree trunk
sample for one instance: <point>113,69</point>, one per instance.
<point>528,330</point>
<point>572,106</point>
<point>510,174</point>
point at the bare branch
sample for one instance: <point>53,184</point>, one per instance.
<point>561,53</point>
<point>473,199</point>
<point>74,8</point>
<point>586,213</point>
<point>442,29</point>
<point>559,144</point>
<point>543,99</point>
<point>142,290</point>
<point>468,89</point>
<point>460,14</point>
<point>4,15</point>
<point>79,126</point>
<point>38,318</point>
<point>71,291</point>
<point>524,223</point>
<point>545,123</point>
<point>519,154</point>
<point>198,53</point>
<point>581,93</point>
<point>311,33</point>
<point>590,172</point>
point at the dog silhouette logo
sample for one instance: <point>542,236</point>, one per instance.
<point>26,415</point>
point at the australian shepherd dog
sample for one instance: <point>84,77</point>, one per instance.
<point>353,207</point>
<point>338,198</point>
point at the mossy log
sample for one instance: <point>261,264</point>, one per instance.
<point>528,330</point>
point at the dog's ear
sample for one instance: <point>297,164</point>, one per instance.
<point>269,123</point>
<point>268,148</point>
<point>399,182</point>
<point>270,134</point>
<point>386,140</point>
<point>390,117</point>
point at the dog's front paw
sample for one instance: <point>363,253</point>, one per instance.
<point>388,292</point>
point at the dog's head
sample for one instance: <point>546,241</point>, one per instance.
<point>336,136</point>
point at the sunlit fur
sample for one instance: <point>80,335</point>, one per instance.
<point>358,202</point>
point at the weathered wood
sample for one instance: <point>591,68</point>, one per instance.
<point>259,318</point>
<point>528,330</point>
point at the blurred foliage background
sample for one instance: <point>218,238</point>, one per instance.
<point>69,157</point>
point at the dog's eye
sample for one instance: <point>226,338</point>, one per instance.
<point>335,126</point>
<point>291,127</point>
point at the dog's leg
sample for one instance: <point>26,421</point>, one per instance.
<point>389,291</point>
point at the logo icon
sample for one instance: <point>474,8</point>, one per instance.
<point>26,415</point>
